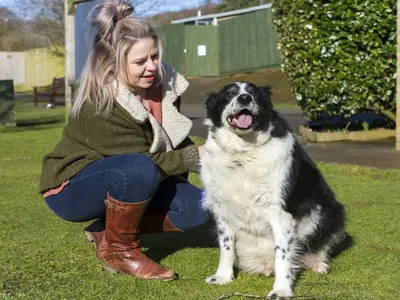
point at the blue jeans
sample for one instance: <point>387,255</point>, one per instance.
<point>128,178</point>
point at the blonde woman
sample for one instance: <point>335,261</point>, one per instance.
<point>125,147</point>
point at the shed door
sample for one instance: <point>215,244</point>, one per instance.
<point>202,51</point>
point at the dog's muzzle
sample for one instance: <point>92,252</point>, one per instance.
<point>243,120</point>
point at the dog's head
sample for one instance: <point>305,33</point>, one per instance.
<point>241,107</point>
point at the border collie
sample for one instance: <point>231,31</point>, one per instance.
<point>274,211</point>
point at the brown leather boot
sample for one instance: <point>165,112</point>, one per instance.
<point>152,222</point>
<point>158,221</point>
<point>123,253</point>
<point>95,233</point>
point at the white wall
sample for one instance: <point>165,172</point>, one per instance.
<point>12,66</point>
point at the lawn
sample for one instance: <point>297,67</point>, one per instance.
<point>30,117</point>
<point>44,257</point>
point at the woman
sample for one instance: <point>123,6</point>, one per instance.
<point>125,147</point>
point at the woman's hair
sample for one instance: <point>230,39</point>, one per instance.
<point>116,32</point>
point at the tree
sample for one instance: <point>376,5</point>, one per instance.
<point>228,5</point>
<point>32,24</point>
<point>46,18</point>
<point>49,20</point>
<point>8,21</point>
<point>17,34</point>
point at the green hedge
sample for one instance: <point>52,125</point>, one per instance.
<point>340,56</point>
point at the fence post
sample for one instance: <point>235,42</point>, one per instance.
<point>69,53</point>
<point>398,80</point>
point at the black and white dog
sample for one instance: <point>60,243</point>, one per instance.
<point>274,211</point>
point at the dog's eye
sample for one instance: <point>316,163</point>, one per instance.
<point>254,93</point>
<point>228,95</point>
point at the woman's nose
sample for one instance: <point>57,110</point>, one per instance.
<point>151,65</point>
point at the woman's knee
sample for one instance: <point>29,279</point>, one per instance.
<point>192,220</point>
<point>136,178</point>
<point>187,211</point>
<point>74,210</point>
<point>134,164</point>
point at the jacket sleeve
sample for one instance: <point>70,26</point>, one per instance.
<point>109,137</point>
<point>185,143</point>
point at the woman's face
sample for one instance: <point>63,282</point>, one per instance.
<point>142,63</point>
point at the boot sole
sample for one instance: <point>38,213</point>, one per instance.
<point>115,271</point>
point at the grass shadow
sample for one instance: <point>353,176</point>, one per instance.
<point>42,121</point>
<point>161,245</point>
<point>32,126</point>
<point>29,117</point>
<point>344,245</point>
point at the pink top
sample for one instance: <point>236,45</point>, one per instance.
<point>154,100</point>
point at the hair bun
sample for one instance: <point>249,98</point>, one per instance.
<point>121,10</point>
<point>108,13</point>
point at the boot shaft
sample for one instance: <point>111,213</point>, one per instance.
<point>122,222</point>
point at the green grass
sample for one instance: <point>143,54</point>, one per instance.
<point>30,117</point>
<point>44,257</point>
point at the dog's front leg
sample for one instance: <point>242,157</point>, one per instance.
<point>283,227</point>
<point>224,272</point>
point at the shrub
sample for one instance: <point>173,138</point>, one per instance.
<point>339,56</point>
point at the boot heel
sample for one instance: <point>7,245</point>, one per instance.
<point>89,236</point>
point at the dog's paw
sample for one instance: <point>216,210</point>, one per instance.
<point>321,268</point>
<point>277,294</point>
<point>269,269</point>
<point>213,279</point>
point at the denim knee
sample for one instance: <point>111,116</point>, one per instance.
<point>187,212</point>
<point>193,220</point>
<point>136,178</point>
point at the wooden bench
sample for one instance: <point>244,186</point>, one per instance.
<point>57,88</point>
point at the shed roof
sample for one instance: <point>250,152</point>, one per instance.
<point>223,14</point>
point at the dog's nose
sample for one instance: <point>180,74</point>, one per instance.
<point>244,99</point>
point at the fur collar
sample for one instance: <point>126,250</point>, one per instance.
<point>175,126</point>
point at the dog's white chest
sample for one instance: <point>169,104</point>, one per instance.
<point>241,186</point>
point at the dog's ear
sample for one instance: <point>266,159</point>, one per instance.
<point>211,100</point>
<point>266,92</point>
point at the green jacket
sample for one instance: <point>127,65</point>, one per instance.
<point>129,128</point>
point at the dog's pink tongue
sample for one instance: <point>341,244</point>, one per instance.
<point>244,121</point>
